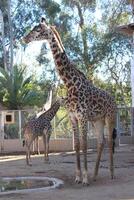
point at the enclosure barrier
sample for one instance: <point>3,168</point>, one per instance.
<point>12,123</point>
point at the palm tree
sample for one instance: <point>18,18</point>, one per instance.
<point>17,91</point>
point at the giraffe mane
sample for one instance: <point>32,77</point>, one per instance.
<point>62,47</point>
<point>80,73</point>
<point>57,37</point>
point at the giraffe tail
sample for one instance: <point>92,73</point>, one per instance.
<point>23,143</point>
<point>114,135</point>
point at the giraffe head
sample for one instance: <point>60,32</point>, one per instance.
<point>41,31</point>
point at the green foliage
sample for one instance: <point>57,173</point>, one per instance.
<point>18,91</point>
<point>11,131</point>
<point>121,93</point>
<point>23,15</point>
<point>91,43</point>
<point>61,124</point>
<point>51,8</point>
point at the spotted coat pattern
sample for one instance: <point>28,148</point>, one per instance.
<point>85,102</point>
<point>40,126</point>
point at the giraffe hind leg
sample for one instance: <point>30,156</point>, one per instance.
<point>84,150</point>
<point>38,146</point>
<point>76,141</point>
<point>27,151</point>
<point>45,145</point>
<point>110,143</point>
<point>29,161</point>
<point>100,148</point>
<point>110,126</point>
<point>99,131</point>
<point>28,158</point>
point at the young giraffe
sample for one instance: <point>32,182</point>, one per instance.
<point>85,102</point>
<point>35,145</point>
<point>40,126</point>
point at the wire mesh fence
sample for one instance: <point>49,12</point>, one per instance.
<point>61,126</point>
<point>13,127</point>
<point>125,121</point>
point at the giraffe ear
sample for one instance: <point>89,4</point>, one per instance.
<point>43,20</point>
<point>53,27</point>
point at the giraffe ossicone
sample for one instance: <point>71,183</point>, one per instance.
<point>85,102</point>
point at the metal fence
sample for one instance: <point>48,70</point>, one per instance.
<point>12,123</point>
<point>125,121</point>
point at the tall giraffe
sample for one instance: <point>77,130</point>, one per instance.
<point>40,126</point>
<point>85,102</point>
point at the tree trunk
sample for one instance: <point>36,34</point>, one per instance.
<point>3,41</point>
<point>11,38</point>
<point>89,68</point>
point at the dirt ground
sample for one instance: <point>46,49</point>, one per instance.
<point>62,166</point>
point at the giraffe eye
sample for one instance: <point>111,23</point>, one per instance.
<point>38,29</point>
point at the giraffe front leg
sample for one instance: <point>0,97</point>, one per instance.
<point>78,168</point>
<point>84,150</point>
<point>47,147</point>
<point>44,142</point>
<point>76,144</point>
<point>99,152</point>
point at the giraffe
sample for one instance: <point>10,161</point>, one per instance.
<point>40,126</point>
<point>46,106</point>
<point>85,102</point>
<point>35,145</point>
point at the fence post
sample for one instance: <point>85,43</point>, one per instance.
<point>19,112</point>
<point>2,131</point>
<point>118,121</point>
<point>55,136</point>
<point>132,123</point>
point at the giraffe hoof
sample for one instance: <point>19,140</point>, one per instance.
<point>85,178</point>
<point>47,162</point>
<point>112,177</point>
<point>85,183</point>
<point>77,180</point>
<point>94,178</point>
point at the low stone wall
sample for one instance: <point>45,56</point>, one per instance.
<point>56,145</point>
<point>126,140</point>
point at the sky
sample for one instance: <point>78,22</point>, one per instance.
<point>30,54</point>
<point>28,57</point>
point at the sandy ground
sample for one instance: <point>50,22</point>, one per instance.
<point>62,166</point>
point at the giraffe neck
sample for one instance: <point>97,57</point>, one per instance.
<point>60,58</point>
<point>67,71</point>
<point>50,113</point>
